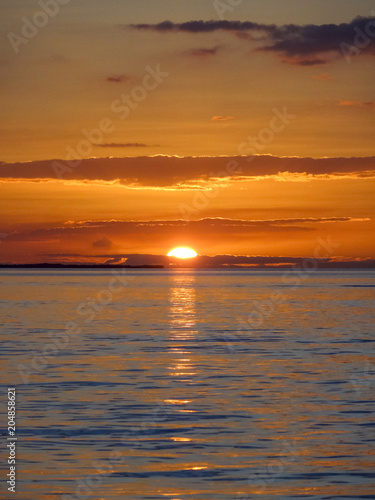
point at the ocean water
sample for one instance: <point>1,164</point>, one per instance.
<point>190,385</point>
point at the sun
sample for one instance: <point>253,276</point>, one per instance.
<point>182,253</point>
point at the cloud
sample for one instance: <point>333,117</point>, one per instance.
<point>201,26</point>
<point>358,104</point>
<point>102,243</point>
<point>217,261</point>
<point>119,79</point>
<point>205,223</point>
<point>115,229</point>
<point>307,42</point>
<point>306,61</point>
<point>78,241</point>
<point>306,45</point>
<point>118,259</point>
<point>188,172</point>
<point>54,59</point>
<point>323,78</point>
<point>202,52</point>
<point>221,118</point>
<point>126,145</point>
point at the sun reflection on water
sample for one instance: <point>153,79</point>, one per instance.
<point>182,305</point>
<point>182,324</point>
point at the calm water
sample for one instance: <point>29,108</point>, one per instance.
<point>201,385</point>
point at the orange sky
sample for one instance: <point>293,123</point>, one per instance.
<point>177,103</point>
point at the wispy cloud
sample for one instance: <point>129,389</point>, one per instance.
<point>358,104</point>
<point>115,230</point>
<point>126,145</point>
<point>311,60</point>
<point>202,52</point>
<point>322,78</point>
<point>222,118</point>
<point>54,59</point>
<point>119,78</point>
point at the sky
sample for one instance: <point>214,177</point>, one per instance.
<point>132,127</point>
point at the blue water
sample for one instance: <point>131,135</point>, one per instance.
<point>201,385</point>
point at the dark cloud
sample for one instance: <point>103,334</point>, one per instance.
<point>102,243</point>
<point>202,26</point>
<point>202,52</point>
<point>305,62</point>
<point>126,145</point>
<point>306,45</point>
<point>217,261</point>
<point>119,79</point>
<point>169,171</point>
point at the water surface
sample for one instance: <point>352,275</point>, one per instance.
<point>201,385</point>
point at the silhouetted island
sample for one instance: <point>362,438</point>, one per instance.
<point>79,266</point>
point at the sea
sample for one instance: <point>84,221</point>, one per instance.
<point>183,384</point>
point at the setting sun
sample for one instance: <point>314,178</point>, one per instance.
<point>182,253</point>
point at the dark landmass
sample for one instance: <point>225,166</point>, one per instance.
<point>210,263</point>
<point>78,266</point>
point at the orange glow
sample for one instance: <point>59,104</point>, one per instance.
<point>182,253</point>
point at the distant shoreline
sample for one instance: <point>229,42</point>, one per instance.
<point>321,266</point>
<point>79,266</point>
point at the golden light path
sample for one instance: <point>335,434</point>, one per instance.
<point>182,253</point>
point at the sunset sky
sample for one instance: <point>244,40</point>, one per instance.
<point>131,127</point>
